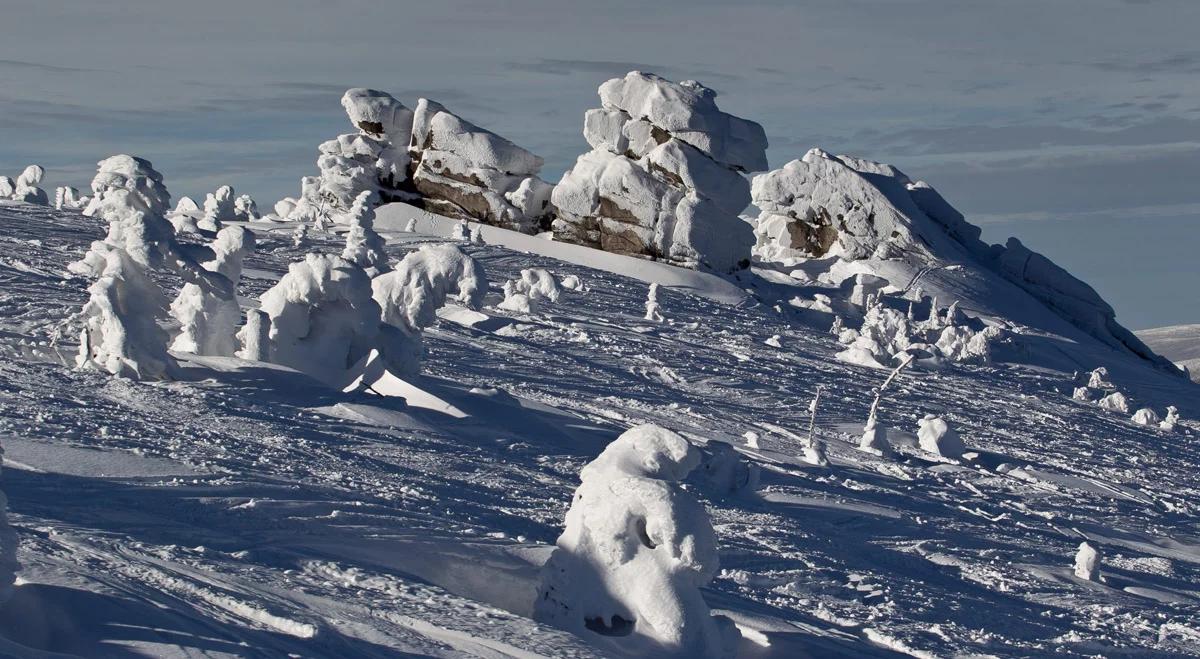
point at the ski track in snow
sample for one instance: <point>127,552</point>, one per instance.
<point>246,510</point>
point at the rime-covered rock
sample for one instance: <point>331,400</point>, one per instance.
<point>137,176</point>
<point>637,548</point>
<point>825,205</point>
<point>464,171</point>
<point>663,177</point>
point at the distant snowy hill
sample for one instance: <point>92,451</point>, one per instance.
<point>244,508</point>
<point>1179,343</point>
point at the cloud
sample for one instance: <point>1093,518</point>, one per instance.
<point>1188,62</point>
<point>613,69</point>
<point>44,68</point>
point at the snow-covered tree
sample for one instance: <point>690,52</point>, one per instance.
<point>410,295</point>
<point>135,175</point>
<point>885,333</point>
<point>411,226</point>
<point>364,246</point>
<point>8,544</point>
<point>653,310</point>
<point>477,236</point>
<point>637,548</point>
<point>814,448</point>
<point>323,319</point>
<point>1172,419</point>
<point>27,189</point>
<point>120,331</point>
<point>8,187</point>
<point>245,209</point>
<point>516,301</point>
<point>936,436</point>
<point>1145,417</point>
<point>1087,561</point>
<point>67,198</point>
<point>539,284</point>
<point>461,232</point>
<point>208,323</point>
<point>1098,379</point>
<point>1116,401</point>
<point>874,438</point>
<point>300,236</point>
<point>230,248</point>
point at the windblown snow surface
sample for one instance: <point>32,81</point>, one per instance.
<point>246,510</point>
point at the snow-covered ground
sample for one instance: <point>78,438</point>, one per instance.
<point>245,509</point>
<point>1179,343</point>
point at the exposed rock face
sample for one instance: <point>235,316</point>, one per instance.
<point>428,157</point>
<point>855,209</point>
<point>662,179</point>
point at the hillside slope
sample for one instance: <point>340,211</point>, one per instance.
<point>1179,343</point>
<point>246,509</point>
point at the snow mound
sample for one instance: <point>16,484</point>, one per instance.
<point>637,548</point>
<point>662,179</point>
<point>936,436</point>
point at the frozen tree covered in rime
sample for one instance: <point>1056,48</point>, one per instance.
<point>653,310</point>
<point>1116,402</point>
<point>637,548</point>
<point>245,209</point>
<point>516,301</point>
<point>322,318</point>
<point>874,438</point>
<point>218,209</point>
<point>962,344</point>
<point>300,236</point>
<point>67,198</point>
<point>134,175</point>
<point>410,295</point>
<point>120,333</point>
<point>936,436</point>
<point>364,246</point>
<point>1087,561</point>
<point>8,544</point>
<point>461,232</point>
<point>26,186</point>
<point>539,284</point>
<point>885,333</point>
<point>814,448</point>
<point>208,321</point>
<point>1098,379</point>
<point>1171,420</point>
<point>723,471</point>
<point>7,187</point>
<point>1146,417</point>
<point>477,236</point>
<point>411,227</point>
<point>1083,394</point>
<point>573,283</point>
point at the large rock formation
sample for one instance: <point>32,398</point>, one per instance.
<point>662,179</point>
<point>825,205</point>
<point>428,157</point>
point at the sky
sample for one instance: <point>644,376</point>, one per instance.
<point>1073,124</point>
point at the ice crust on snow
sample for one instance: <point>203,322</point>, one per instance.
<point>637,548</point>
<point>663,177</point>
<point>856,209</point>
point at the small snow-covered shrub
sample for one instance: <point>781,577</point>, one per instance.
<point>1116,401</point>
<point>874,439</point>
<point>885,332</point>
<point>67,198</point>
<point>1171,420</point>
<point>1083,394</point>
<point>245,209</point>
<point>653,310</point>
<point>516,301</point>
<point>323,319</point>
<point>539,284</point>
<point>1145,417</point>
<point>8,544</point>
<point>573,283</point>
<point>8,187</point>
<point>1087,562</point>
<point>814,448</point>
<point>120,333</point>
<point>137,176</point>
<point>364,246</point>
<point>723,471</point>
<point>936,436</point>
<point>1098,379</point>
<point>962,344</point>
<point>461,232</point>
<point>637,548</point>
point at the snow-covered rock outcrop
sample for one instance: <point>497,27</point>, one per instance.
<point>429,157</point>
<point>826,205</point>
<point>636,550</point>
<point>663,177</point>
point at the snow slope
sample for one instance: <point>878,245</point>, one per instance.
<point>1179,343</point>
<point>247,510</point>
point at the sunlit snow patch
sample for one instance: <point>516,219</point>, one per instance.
<point>375,378</point>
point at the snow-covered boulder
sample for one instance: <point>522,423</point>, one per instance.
<point>464,171</point>
<point>637,548</point>
<point>935,436</point>
<point>322,317</point>
<point>8,544</point>
<point>135,175</point>
<point>26,188</point>
<point>365,247</point>
<point>663,177</point>
<point>1116,401</point>
<point>826,205</point>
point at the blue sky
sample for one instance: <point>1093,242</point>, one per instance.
<point>1072,124</point>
